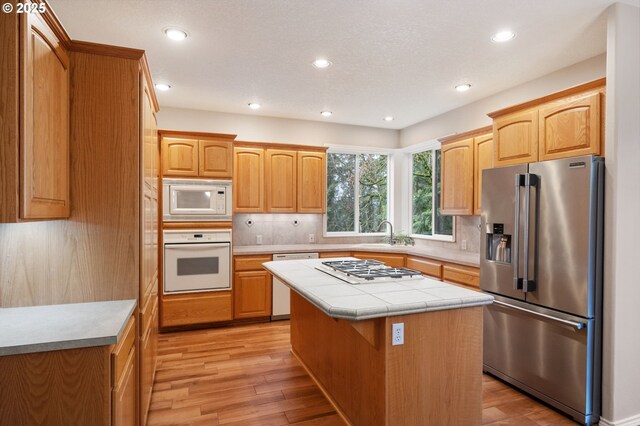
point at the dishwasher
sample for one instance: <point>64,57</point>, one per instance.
<point>280,293</point>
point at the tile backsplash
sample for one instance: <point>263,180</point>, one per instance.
<point>280,229</point>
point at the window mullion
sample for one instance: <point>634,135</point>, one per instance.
<point>356,221</point>
<point>433,192</point>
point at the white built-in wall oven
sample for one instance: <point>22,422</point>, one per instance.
<point>196,200</point>
<point>197,260</point>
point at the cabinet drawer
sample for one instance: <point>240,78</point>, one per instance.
<point>462,275</point>
<point>427,267</point>
<point>121,351</point>
<point>197,308</point>
<point>123,400</point>
<point>395,260</point>
<point>250,263</point>
<point>335,254</point>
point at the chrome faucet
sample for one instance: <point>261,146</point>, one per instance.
<point>391,238</point>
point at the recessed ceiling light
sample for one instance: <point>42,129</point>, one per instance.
<point>176,34</point>
<point>326,113</point>
<point>254,105</point>
<point>162,87</point>
<point>463,87</point>
<point>502,36</point>
<point>322,63</point>
<point>388,118</point>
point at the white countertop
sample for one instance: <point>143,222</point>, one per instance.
<point>338,299</point>
<point>436,253</point>
<point>57,327</point>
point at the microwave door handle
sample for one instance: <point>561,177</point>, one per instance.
<point>529,180</point>
<point>517,283</point>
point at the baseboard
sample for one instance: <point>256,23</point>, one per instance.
<point>629,421</point>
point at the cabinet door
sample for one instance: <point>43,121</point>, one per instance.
<point>123,402</point>
<point>44,144</point>
<point>179,157</point>
<point>280,175</point>
<point>252,294</point>
<point>395,260</point>
<point>457,178</point>
<point>216,159</point>
<point>570,127</point>
<point>312,174</point>
<point>516,138</point>
<point>482,159</point>
<point>248,172</point>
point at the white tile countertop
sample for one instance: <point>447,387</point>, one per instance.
<point>57,327</point>
<point>436,253</point>
<point>339,299</point>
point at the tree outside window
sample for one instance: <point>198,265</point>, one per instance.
<point>357,192</point>
<point>425,196</point>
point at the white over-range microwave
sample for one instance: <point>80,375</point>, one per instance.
<point>196,200</point>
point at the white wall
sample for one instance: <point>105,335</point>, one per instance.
<point>474,115</point>
<point>257,128</point>
<point>621,352</point>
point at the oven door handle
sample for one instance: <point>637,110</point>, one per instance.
<point>196,246</point>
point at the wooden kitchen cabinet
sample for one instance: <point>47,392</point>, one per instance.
<point>248,172</point>
<point>252,294</point>
<point>460,274</point>
<point>456,168</point>
<point>328,254</point>
<point>281,168</point>
<point>196,308</point>
<point>35,110</point>
<point>570,127</point>
<point>564,124</point>
<point>431,268</point>
<point>215,159</point>
<point>124,374</point>
<point>193,154</point>
<point>482,159</point>
<point>179,157</point>
<point>312,187</point>
<point>516,138</point>
<point>389,259</point>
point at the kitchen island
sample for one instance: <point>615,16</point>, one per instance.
<point>342,335</point>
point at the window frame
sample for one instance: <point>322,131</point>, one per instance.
<point>415,149</point>
<point>337,149</point>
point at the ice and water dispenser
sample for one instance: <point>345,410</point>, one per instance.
<point>498,243</point>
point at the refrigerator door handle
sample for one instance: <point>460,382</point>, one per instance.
<point>529,180</point>
<point>574,324</point>
<point>517,282</point>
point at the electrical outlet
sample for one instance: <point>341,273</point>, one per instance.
<point>397,334</point>
<point>312,238</point>
<point>463,245</point>
<point>258,239</point>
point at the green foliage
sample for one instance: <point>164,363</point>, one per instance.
<point>341,194</point>
<point>422,193</point>
<point>373,191</point>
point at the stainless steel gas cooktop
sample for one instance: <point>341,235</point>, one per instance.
<point>364,271</point>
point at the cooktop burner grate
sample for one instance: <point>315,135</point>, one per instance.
<point>370,269</point>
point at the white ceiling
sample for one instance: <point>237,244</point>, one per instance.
<point>390,57</point>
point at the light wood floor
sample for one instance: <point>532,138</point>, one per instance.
<point>245,375</point>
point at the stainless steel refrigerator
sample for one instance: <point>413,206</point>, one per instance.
<point>541,258</point>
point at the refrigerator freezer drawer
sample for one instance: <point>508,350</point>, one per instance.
<point>552,358</point>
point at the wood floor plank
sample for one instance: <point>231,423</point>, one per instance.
<point>246,375</point>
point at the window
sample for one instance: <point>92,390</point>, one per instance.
<point>426,219</point>
<point>357,192</point>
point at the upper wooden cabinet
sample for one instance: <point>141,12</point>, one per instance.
<point>280,172</point>
<point>482,159</point>
<point>179,157</point>
<point>278,178</point>
<point>563,124</point>
<point>34,124</point>
<point>192,154</point>
<point>216,159</point>
<point>248,191</point>
<point>570,127</point>
<point>516,138</point>
<point>312,187</point>
<point>464,156</point>
<point>457,178</point>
